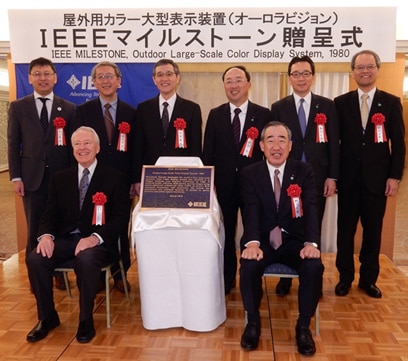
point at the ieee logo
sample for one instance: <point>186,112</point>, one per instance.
<point>87,83</point>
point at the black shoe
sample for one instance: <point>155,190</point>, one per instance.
<point>42,328</point>
<point>371,290</point>
<point>342,289</point>
<point>283,286</point>
<point>250,337</point>
<point>86,331</point>
<point>304,341</point>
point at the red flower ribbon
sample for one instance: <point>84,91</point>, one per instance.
<point>99,199</point>
<point>321,135</point>
<point>294,192</point>
<point>378,120</point>
<point>248,147</point>
<point>59,123</point>
<point>180,125</point>
<point>124,129</point>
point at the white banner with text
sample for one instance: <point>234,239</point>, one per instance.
<point>201,35</point>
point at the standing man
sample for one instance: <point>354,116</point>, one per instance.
<point>86,211</point>
<point>315,134</point>
<point>39,130</point>
<point>114,122</point>
<point>167,125</point>
<point>372,156</point>
<point>231,142</point>
<point>280,225</point>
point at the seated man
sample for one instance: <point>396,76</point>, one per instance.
<point>87,208</point>
<point>279,227</point>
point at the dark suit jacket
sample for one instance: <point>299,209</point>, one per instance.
<point>151,142</point>
<point>90,114</point>
<point>62,214</point>
<point>360,156</point>
<point>324,157</point>
<point>259,211</point>
<point>220,149</point>
<point>29,150</point>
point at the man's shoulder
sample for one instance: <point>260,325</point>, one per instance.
<point>257,107</point>
<point>88,104</point>
<point>66,102</point>
<point>185,101</point>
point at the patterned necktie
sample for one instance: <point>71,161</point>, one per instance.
<point>302,122</point>
<point>44,115</point>
<point>83,186</point>
<point>165,117</point>
<point>110,126</point>
<point>236,125</point>
<point>364,110</point>
<point>275,236</point>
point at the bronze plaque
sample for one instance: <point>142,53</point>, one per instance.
<point>177,187</point>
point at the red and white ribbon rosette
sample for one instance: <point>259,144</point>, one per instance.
<point>294,192</point>
<point>180,125</point>
<point>247,149</point>
<point>124,129</point>
<point>321,135</point>
<point>378,120</point>
<point>59,123</point>
<point>99,199</point>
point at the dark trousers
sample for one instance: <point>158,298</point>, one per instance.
<point>87,265</point>
<point>354,204</point>
<point>34,203</point>
<point>310,280</point>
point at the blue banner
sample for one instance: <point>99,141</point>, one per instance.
<point>75,82</point>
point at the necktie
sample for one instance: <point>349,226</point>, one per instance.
<point>236,125</point>
<point>364,110</point>
<point>275,236</point>
<point>83,186</point>
<point>110,126</point>
<point>44,115</point>
<point>165,117</point>
<point>302,122</point>
<point>302,117</point>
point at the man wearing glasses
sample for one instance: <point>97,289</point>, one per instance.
<point>315,134</point>
<point>114,122</point>
<point>231,142</point>
<point>34,154</point>
<point>372,156</point>
<point>166,118</point>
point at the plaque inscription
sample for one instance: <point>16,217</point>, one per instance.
<point>177,187</point>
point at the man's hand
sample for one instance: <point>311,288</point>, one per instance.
<point>46,246</point>
<point>133,191</point>
<point>18,187</point>
<point>252,251</point>
<point>309,251</point>
<point>137,187</point>
<point>85,243</point>
<point>391,187</point>
<point>329,188</point>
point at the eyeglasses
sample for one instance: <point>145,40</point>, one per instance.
<point>305,74</point>
<point>105,76</point>
<point>39,75</point>
<point>370,67</point>
<point>238,81</point>
<point>167,74</point>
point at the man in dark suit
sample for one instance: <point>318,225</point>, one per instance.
<point>86,234</point>
<point>166,125</point>
<point>284,230</point>
<point>229,154</point>
<point>372,156</point>
<point>34,152</point>
<point>114,122</point>
<point>318,142</point>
